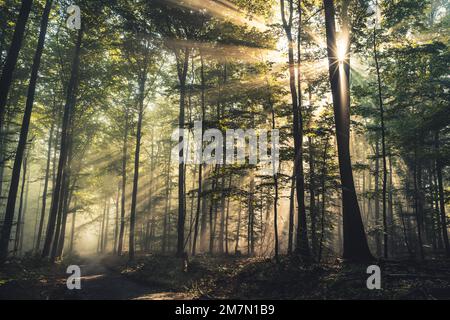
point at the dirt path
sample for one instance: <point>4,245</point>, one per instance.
<point>100,283</point>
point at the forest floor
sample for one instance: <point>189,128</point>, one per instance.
<point>160,277</point>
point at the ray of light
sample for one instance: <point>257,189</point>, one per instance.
<point>223,10</point>
<point>223,52</point>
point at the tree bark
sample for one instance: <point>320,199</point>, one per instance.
<point>142,81</point>
<point>355,241</point>
<point>124,184</point>
<point>165,239</point>
<point>377,198</point>
<point>182,68</point>
<point>11,58</point>
<point>5,82</point>
<point>20,222</point>
<point>291,214</point>
<point>116,222</point>
<point>275,182</point>
<point>200,169</point>
<point>302,232</point>
<point>383,146</point>
<point>44,193</point>
<point>441,196</point>
<point>70,104</point>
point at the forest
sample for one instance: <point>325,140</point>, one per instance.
<point>224,149</point>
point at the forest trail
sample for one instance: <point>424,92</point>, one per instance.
<point>99,282</point>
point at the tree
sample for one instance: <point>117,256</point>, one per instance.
<point>23,134</point>
<point>355,241</point>
<point>68,109</point>
<point>302,231</point>
<point>13,53</point>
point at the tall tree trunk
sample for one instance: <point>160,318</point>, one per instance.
<point>302,232</point>
<point>222,217</point>
<point>238,231</point>
<point>405,233</point>
<point>124,184</point>
<point>142,81</point>
<point>383,145</point>
<point>355,241</point>
<point>251,217</point>
<point>377,198</point>
<point>165,239</point>
<point>150,219</point>
<point>116,220</point>
<point>291,213</point>
<point>312,195</point>
<point>391,220</point>
<point>212,208</point>
<point>418,205</point>
<point>59,246</point>
<point>72,229</point>
<point>200,169</point>
<point>102,229</point>
<point>44,193</point>
<point>275,182</point>
<point>24,213</point>
<point>204,214</point>
<point>182,73</point>
<point>105,241</point>
<point>441,195</point>
<point>70,104</point>
<point>27,114</point>
<point>61,214</point>
<point>227,219</point>
<point>312,177</point>
<point>11,58</point>
<point>439,234</point>
<point>20,223</point>
<point>323,207</point>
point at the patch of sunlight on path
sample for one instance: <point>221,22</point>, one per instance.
<point>166,296</point>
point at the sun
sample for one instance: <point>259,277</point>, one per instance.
<point>342,49</point>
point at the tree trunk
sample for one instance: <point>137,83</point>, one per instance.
<point>383,146</point>
<point>70,104</point>
<point>275,182</point>
<point>11,58</point>
<point>65,211</point>
<point>20,223</point>
<point>377,198</point>
<point>124,184</point>
<point>105,241</point>
<point>291,214</point>
<point>5,82</point>
<point>227,219</point>
<point>251,216</point>
<point>312,185</point>
<point>355,241</point>
<point>62,211</point>
<point>44,194</point>
<point>102,228</point>
<point>142,81</point>
<point>302,232</point>
<point>418,205</point>
<point>441,196</point>
<point>200,169</point>
<point>116,222</point>
<point>323,207</point>
<point>182,73</point>
<point>72,229</point>
<point>165,239</point>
